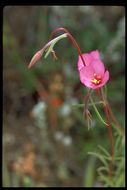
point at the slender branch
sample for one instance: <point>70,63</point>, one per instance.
<point>114,119</point>
<point>109,132</point>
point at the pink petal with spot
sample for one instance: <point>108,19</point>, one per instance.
<point>104,81</point>
<point>87,80</point>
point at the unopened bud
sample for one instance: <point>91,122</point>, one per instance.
<point>35,58</point>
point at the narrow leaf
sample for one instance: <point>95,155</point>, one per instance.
<point>97,112</point>
<point>102,159</point>
<point>104,150</point>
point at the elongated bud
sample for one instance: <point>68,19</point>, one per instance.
<point>35,58</point>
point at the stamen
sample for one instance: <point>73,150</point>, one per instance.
<point>97,79</point>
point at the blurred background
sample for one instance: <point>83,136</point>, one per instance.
<point>45,138</point>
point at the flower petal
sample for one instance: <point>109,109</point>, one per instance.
<point>106,77</point>
<point>87,82</point>
<point>86,73</point>
<point>95,54</point>
<point>98,67</point>
<point>104,81</point>
<point>87,58</point>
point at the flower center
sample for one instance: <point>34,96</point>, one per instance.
<point>97,79</point>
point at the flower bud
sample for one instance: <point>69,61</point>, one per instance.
<point>35,58</point>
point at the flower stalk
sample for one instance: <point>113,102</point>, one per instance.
<point>109,132</point>
<point>71,39</point>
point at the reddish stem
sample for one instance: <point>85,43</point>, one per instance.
<point>109,132</point>
<point>115,120</point>
<point>72,40</point>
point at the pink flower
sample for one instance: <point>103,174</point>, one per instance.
<point>93,75</point>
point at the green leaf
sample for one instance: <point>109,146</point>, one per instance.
<point>104,150</point>
<point>97,112</point>
<point>105,179</point>
<point>120,167</point>
<point>102,168</point>
<point>118,158</point>
<point>120,182</point>
<point>118,142</point>
<point>101,158</point>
